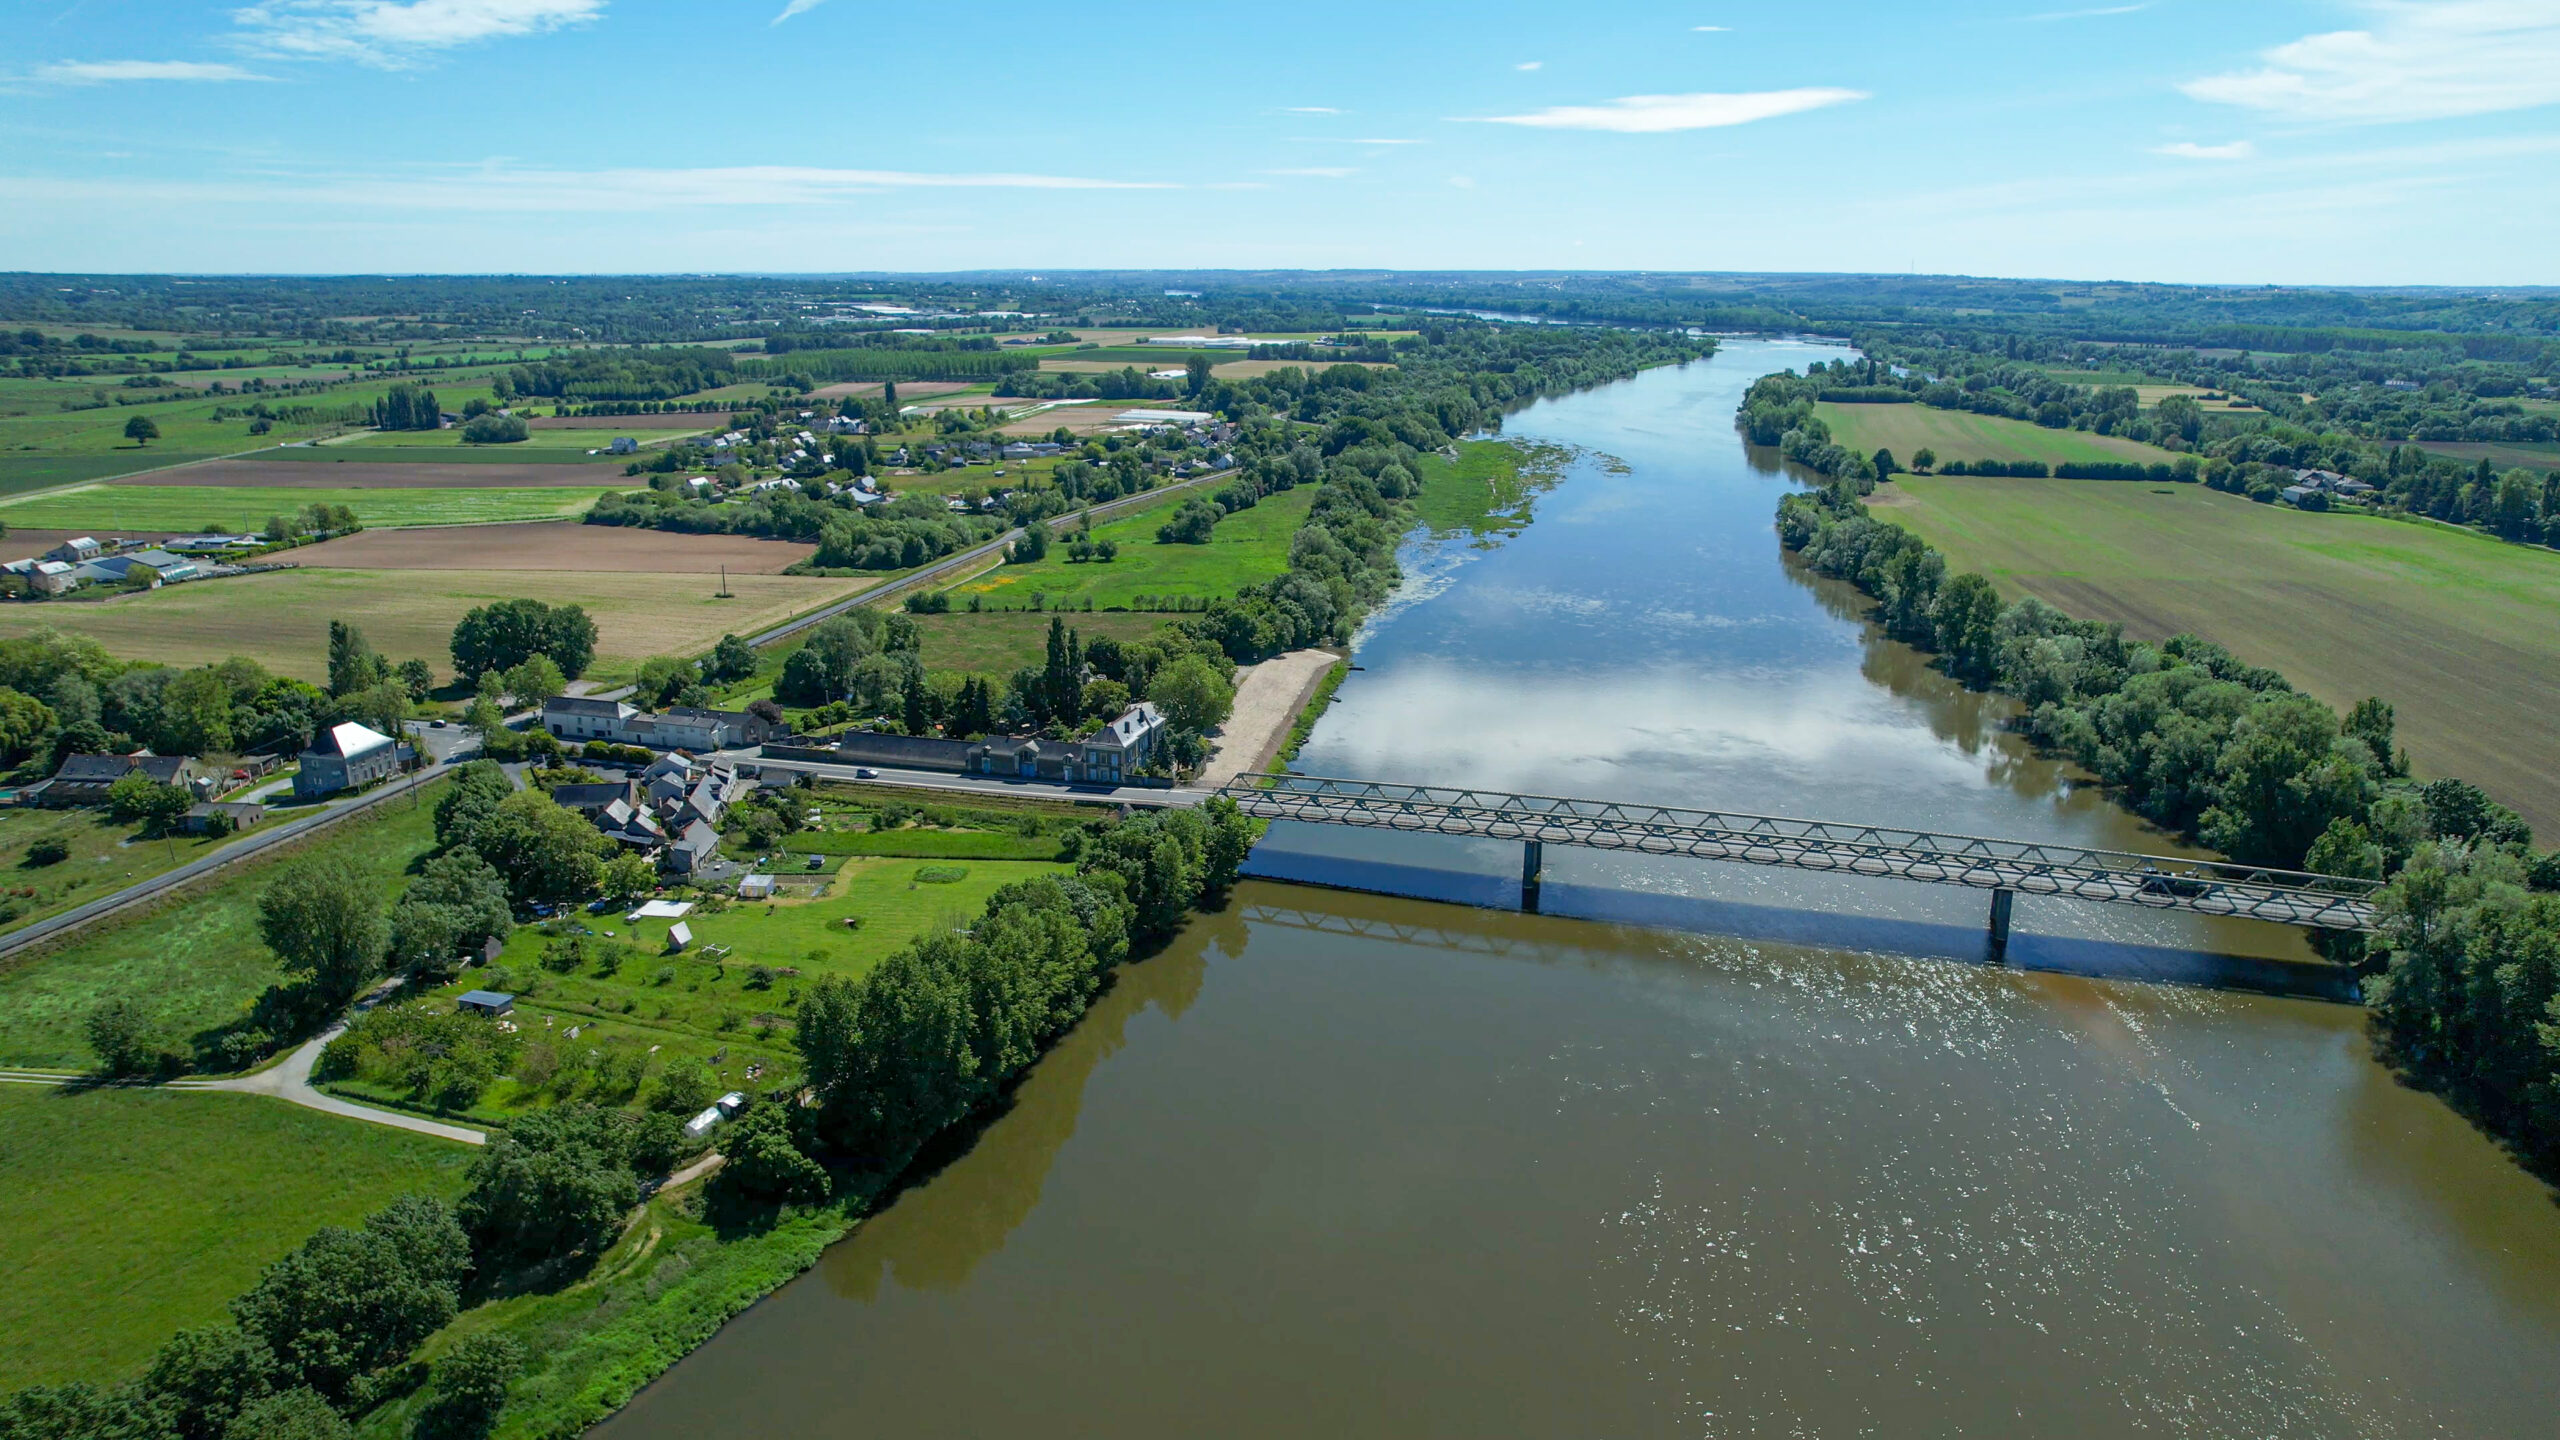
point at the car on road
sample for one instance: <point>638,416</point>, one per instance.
<point>865,772</point>
<point>436,724</point>
<point>2185,887</point>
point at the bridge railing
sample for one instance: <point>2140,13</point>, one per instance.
<point>2024,866</point>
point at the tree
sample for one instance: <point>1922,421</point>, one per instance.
<point>731,659</point>
<point>505,634</point>
<point>555,1182</point>
<point>536,680</point>
<point>1966,618</point>
<point>661,679</point>
<point>1196,373</point>
<point>1885,465</point>
<point>1032,544</point>
<point>1192,694</point>
<point>25,724</point>
<point>119,1031</point>
<point>418,678</point>
<point>762,1162</point>
<point>353,665</point>
<point>470,1388</point>
<point>141,430</point>
<point>468,803</point>
<point>348,1303</point>
<point>628,877</point>
<point>546,852</point>
<point>1924,459</point>
<point>457,904</point>
<point>1193,524</point>
<point>322,916</point>
<point>137,799</point>
<point>383,705</point>
<point>195,714</point>
<point>202,1378</point>
<point>300,1413</point>
<point>684,1089</point>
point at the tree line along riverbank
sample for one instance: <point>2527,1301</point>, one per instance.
<point>2463,973</point>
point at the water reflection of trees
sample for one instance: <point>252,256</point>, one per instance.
<point>990,1174</point>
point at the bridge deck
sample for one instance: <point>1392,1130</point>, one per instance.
<point>2160,882</point>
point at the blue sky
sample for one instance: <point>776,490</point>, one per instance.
<point>2300,141</point>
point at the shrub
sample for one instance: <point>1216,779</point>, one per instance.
<point>46,852</point>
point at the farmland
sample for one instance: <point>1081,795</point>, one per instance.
<point>2505,455</point>
<point>2451,627</point>
<point>128,1215</point>
<point>281,620</point>
<point>1248,547</point>
<point>263,472</point>
<point>555,545</point>
<point>1962,435</point>
<point>181,507</point>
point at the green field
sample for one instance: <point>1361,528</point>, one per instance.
<point>105,857</point>
<point>1249,547</point>
<point>281,619</point>
<point>999,643</point>
<point>2451,627</point>
<point>21,473</point>
<point>1963,435</point>
<point>128,1215</point>
<point>231,507</point>
<point>2504,454</point>
<point>195,961</point>
<point>433,454</point>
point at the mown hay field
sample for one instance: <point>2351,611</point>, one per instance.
<point>554,545</point>
<point>248,507</point>
<point>2453,628</point>
<point>1963,435</point>
<point>282,619</point>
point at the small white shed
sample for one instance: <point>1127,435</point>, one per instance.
<point>679,937</point>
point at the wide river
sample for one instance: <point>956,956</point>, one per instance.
<point>1739,1153</point>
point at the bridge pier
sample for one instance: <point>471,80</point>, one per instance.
<point>2000,902</point>
<point>1533,868</point>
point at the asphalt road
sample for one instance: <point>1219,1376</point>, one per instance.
<point>1150,796</point>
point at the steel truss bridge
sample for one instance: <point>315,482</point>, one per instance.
<point>2006,868</point>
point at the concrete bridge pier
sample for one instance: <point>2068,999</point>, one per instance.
<point>2000,902</point>
<point>1533,868</point>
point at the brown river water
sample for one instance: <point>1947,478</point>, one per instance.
<point>1714,1151</point>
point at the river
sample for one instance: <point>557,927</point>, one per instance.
<point>1735,1152</point>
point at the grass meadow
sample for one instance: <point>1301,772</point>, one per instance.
<point>1488,490</point>
<point>2451,627</point>
<point>999,643</point>
<point>128,1215</point>
<point>195,959</point>
<point>1247,548</point>
<point>105,857</point>
<point>1962,435</point>
<point>179,507</point>
<point>281,620</point>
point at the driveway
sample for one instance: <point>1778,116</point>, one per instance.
<point>290,1080</point>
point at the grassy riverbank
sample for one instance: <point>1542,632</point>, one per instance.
<point>1490,489</point>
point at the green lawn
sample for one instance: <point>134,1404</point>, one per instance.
<point>1962,435</point>
<point>128,1215</point>
<point>179,507</point>
<point>2452,627</point>
<point>195,961</point>
<point>999,643</point>
<point>105,857</point>
<point>1247,548</point>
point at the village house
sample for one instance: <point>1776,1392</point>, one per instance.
<point>679,727</point>
<point>1111,755</point>
<point>163,567</point>
<point>86,779</point>
<point>345,757</point>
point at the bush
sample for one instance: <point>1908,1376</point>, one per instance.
<point>470,1387</point>
<point>120,1032</point>
<point>1192,524</point>
<point>493,430</point>
<point>46,852</point>
<point>554,1183</point>
<point>350,1302</point>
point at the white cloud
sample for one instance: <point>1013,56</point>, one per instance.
<point>1530,65</point>
<point>2050,15</point>
<point>1317,172</point>
<point>1237,185</point>
<point>1386,142</point>
<point>1463,182</point>
<point>797,7</point>
<point>1655,114</point>
<point>2190,150</point>
<point>98,72</point>
<point>390,34</point>
<point>504,189</point>
<point>2416,62</point>
<point>1711,29</point>
<point>1309,110</point>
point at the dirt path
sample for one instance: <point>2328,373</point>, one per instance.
<point>1268,699</point>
